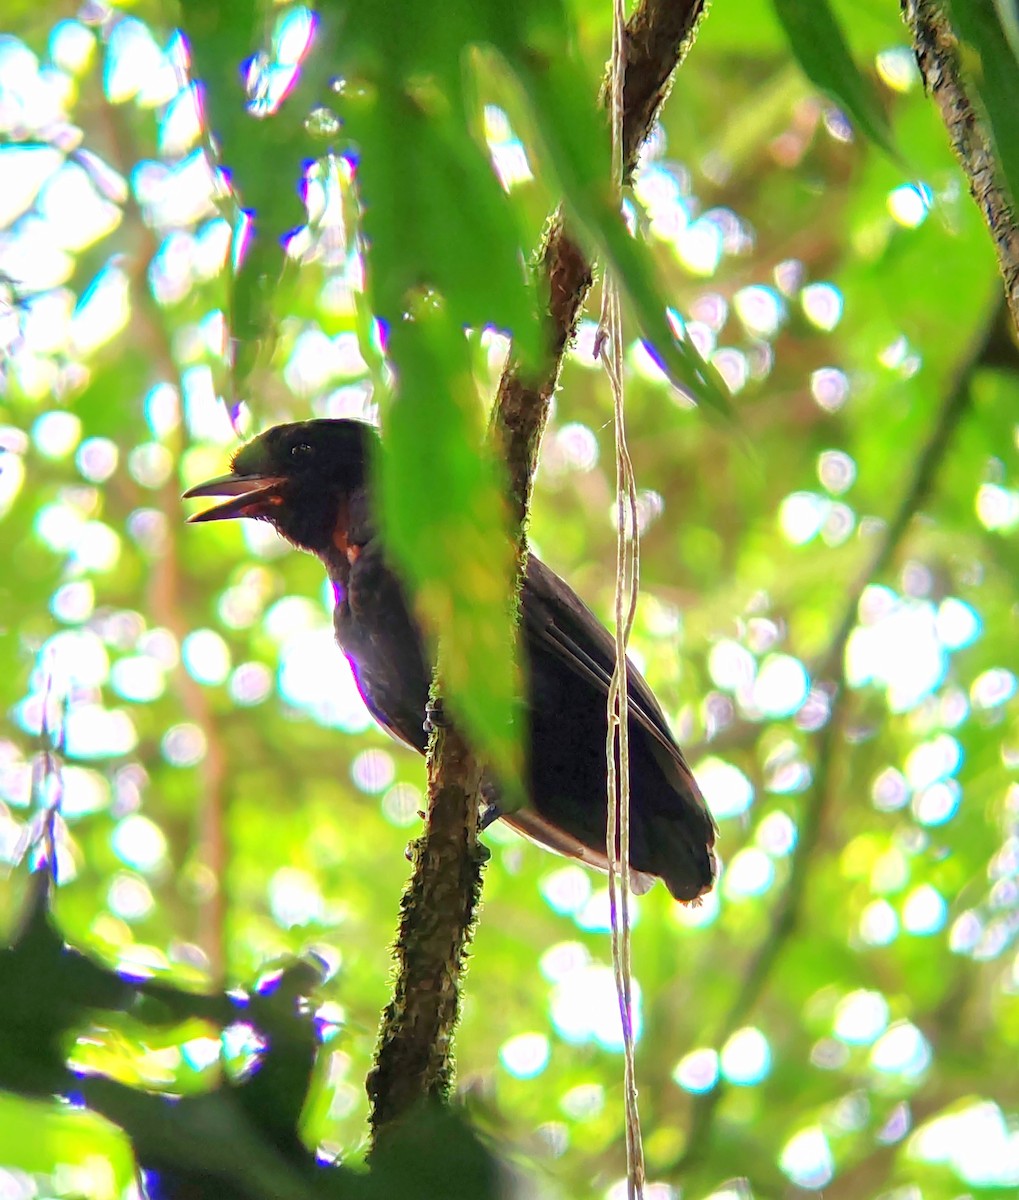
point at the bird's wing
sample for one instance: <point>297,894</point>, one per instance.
<point>537,829</point>
<point>404,728</point>
<point>557,622</point>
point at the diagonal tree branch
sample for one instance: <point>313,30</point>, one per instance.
<point>785,919</point>
<point>413,1059</point>
<point>937,55</point>
<point>658,36</point>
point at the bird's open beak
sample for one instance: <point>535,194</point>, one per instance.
<point>250,496</point>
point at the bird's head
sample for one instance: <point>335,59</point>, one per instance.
<point>309,480</point>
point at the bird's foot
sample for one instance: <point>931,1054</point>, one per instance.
<point>490,813</point>
<point>482,854</point>
<point>435,716</point>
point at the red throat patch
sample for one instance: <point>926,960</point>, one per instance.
<point>340,536</point>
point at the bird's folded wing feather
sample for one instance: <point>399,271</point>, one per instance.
<point>556,621</point>
<point>545,833</point>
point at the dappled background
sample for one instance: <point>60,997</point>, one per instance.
<point>828,616</point>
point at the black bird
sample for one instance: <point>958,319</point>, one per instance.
<point>313,482</point>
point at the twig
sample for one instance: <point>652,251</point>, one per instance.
<point>413,1059</point>
<point>936,48</point>
<point>785,918</point>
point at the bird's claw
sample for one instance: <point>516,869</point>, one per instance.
<point>435,716</point>
<point>490,813</point>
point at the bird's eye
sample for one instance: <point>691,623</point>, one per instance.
<point>302,451</point>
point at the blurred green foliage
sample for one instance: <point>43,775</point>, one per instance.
<point>830,620</point>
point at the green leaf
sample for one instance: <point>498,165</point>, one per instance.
<point>413,1160</point>
<point>1009,18</point>
<point>223,35</point>
<point>577,148</point>
<point>36,1134</point>
<point>434,212</point>
<point>820,48</point>
<point>994,70</point>
<point>435,215</point>
<point>446,522</point>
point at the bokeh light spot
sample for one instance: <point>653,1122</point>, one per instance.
<point>71,46</point>
<point>93,732</point>
<point>836,471</point>
<point>373,770</point>
<point>184,745</point>
<point>139,842</point>
<point>129,897</point>
<point>697,1071</point>
<point>958,624</point>
<point>585,1007</point>
<point>746,1057</point>
<point>97,459</point>
<point>801,516</point>
<point>578,446</point>
<point>731,665</point>
<point>251,683</point>
<point>993,688</point>
<point>761,309</point>
<point>822,305</point>
<point>933,760</point>
<point>997,508</point>
<point>777,834</point>
<point>830,388</point>
<point>781,686</point>
<point>750,873</point>
<point>525,1055</point>
<point>879,924</point>
<point>83,792</point>
<point>294,898</point>
<point>861,1017</point>
<point>901,1050</point>
<point>728,791</point>
<point>138,678</point>
<point>583,1102</point>
<point>150,464</point>
<point>401,805</point>
<point>807,1159</point>
<point>699,247</point>
<point>910,203</point>
<point>896,647</point>
<point>567,890</point>
<point>206,656</point>
<point>897,68</point>
<point>56,434</point>
<point>924,911</point>
<point>976,1141</point>
<point>890,791</point>
<point>937,804</point>
<point>316,677</point>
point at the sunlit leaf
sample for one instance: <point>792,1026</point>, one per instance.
<point>446,523</point>
<point>223,38</point>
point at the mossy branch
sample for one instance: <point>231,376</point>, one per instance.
<point>414,1055</point>
<point>937,54</point>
